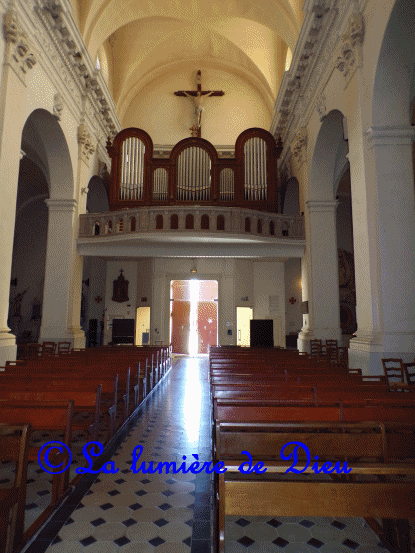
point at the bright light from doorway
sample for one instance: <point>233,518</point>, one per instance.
<point>193,334</point>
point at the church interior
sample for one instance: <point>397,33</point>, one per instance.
<point>206,207</point>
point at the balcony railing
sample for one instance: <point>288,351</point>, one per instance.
<point>200,219</point>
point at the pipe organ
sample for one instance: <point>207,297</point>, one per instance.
<point>132,169</point>
<point>194,175</point>
<point>194,172</point>
<point>227,184</point>
<point>255,169</point>
<point>160,184</point>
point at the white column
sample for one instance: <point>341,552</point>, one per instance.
<point>227,308</point>
<point>19,59</point>
<point>63,274</point>
<point>305,335</point>
<point>323,284</point>
<point>392,250</point>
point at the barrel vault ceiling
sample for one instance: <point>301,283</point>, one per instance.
<point>137,41</point>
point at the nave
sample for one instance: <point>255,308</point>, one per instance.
<point>173,513</point>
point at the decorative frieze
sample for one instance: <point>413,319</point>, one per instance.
<point>21,54</point>
<point>349,57</point>
<point>86,144</point>
<point>299,145</point>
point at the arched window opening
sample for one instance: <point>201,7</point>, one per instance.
<point>132,224</point>
<point>190,222</point>
<point>120,225</point>
<point>109,227</point>
<point>96,228</point>
<point>174,222</point>
<point>220,223</point>
<point>285,229</point>
<point>159,222</point>
<point>272,228</point>
<point>247,224</point>
<point>259,226</point>
<point>204,223</point>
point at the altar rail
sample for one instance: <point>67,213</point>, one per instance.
<point>227,220</point>
<point>194,173</point>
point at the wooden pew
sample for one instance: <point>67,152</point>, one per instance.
<point>13,447</point>
<point>252,495</point>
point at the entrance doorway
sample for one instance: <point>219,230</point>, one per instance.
<point>243,318</point>
<point>142,326</point>
<point>194,315</point>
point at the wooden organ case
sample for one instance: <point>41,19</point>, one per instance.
<point>194,173</point>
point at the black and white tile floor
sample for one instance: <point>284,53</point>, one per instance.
<point>172,513</point>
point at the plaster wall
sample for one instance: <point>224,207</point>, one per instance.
<point>167,118</point>
<point>269,296</point>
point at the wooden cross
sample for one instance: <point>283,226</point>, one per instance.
<point>198,96</point>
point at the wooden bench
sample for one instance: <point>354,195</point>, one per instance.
<point>14,443</point>
<point>253,495</point>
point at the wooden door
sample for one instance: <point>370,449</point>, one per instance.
<point>180,319</point>
<point>207,324</point>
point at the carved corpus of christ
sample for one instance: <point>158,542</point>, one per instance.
<point>198,96</point>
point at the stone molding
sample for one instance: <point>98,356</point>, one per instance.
<point>62,206</point>
<point>86,144</point>
<point>322,206</point>
<point>349,57</point>
<point>401,135</point>
<point>21,55</point>
<point>325,21</point>
<point>299,146</point>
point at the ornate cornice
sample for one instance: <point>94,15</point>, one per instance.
<point>21,55</point>
<point>305,97</point>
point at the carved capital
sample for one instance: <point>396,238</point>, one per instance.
<point>299,145</point>
<point>21,54</point>
<point>349,56</point>
<point>86,144</point>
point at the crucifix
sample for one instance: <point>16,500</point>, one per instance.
<point>198,96</point>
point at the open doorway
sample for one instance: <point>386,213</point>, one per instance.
<point>194,315</point>
<point>142,326</point>
<point>243,317</point>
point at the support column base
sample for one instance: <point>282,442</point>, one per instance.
<point>75,335</point>
<point>367,351</point>
<point>303,341</point>
<point>8,347</point>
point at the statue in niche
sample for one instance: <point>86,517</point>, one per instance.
<point>120,289</point>
<point>16,304</point>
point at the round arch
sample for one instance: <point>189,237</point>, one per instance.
<point>291,198</point>
<point>43,137</point>
<point>97,199</point>
<point>393,84</point>
<point>328,151</point>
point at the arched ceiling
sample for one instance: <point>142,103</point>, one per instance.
<point>144,38</point>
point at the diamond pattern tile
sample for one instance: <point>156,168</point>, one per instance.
<point>155,542</point>
<point>246,541</point>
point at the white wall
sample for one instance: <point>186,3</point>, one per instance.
<point>293,315</point>
<point>269,295</point>
<point>167,118</point>
<point>115,310</point>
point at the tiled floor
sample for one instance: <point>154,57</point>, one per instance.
<point>172,513</point>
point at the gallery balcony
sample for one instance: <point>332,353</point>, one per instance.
<point>191,230</point>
